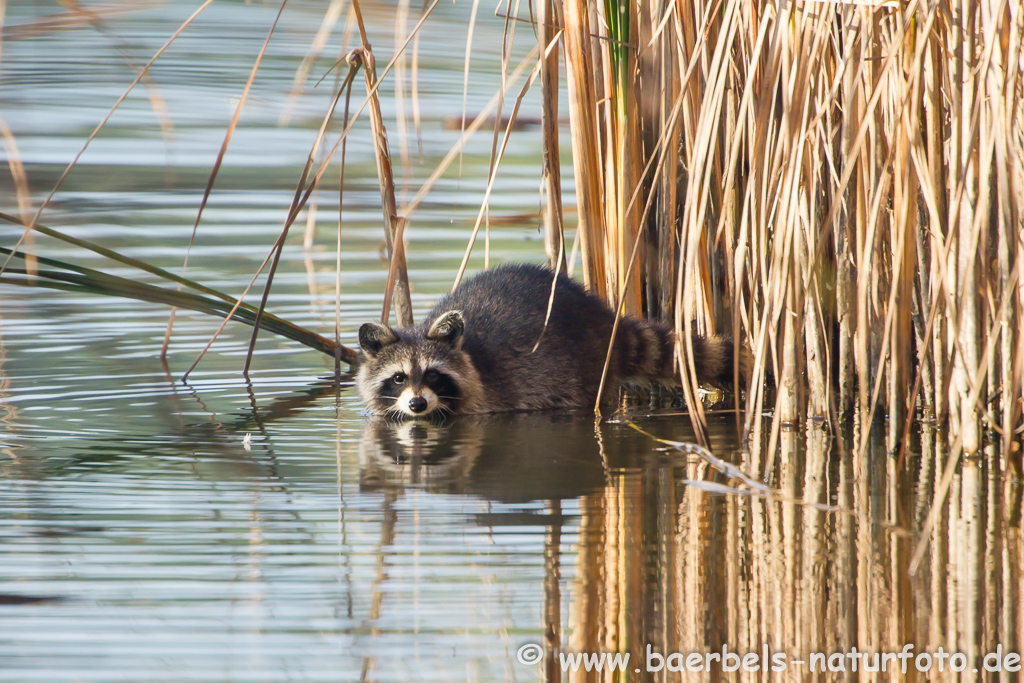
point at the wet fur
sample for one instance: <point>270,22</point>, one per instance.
<point>485,361</point>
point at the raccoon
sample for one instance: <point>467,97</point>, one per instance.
<point>484,348</point>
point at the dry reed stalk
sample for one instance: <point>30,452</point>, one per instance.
<point>905,205</point>
<point>583,123</point>
<point>397,258</point>
<point>933,181</point>
<point>552,218</point>
<point>623,152</point>
<point>624,294</point>
<point>976,387</point>
<point>299,200</point>
<point>402,298</point>
<point>214,171</point>
<point>20,179</point>
<point>963,151</point>
<point>337,258</point>
<point>326,26</point>
<point>843,239</point>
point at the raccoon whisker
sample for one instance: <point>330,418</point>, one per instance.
<point>393,410</point>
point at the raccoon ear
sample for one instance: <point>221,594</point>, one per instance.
<point>373,337</point>
<point>448,328</point>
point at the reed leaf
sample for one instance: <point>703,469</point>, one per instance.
<point>89,281</point>
<point>119,258</point>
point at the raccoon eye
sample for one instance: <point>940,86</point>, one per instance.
<point>431,375</point>
<point>398,378</point>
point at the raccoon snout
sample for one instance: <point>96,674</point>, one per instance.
<point>417,402</point>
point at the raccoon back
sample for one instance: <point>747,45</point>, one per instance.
<point>505,310</point>
<point>525,364</point>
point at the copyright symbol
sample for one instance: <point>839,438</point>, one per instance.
<point>530,653</point>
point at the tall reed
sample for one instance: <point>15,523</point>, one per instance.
<point>842,193</point>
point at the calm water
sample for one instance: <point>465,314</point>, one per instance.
<point>140,540</point>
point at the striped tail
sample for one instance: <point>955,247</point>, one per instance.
<point>645,351</point>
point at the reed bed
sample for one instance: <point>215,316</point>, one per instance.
<point>838,186</point>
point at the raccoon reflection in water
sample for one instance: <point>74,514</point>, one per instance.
<point>507,457</point>
<point>475,353</point>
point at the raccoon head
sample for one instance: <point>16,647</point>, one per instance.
<point>406,373</point>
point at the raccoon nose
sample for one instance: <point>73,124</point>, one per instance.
<point>417,404</point>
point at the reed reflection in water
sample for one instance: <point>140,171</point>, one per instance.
<point>674,554</point>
